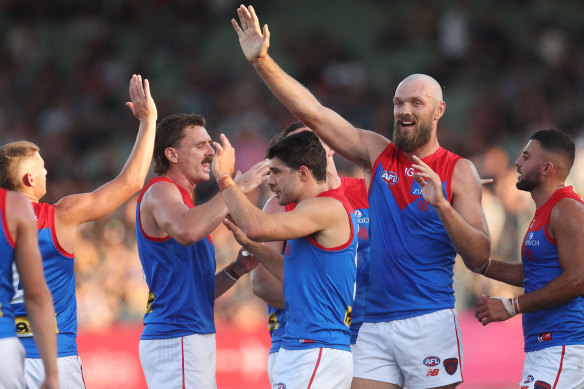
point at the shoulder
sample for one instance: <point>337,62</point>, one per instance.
<point>465,174</point>
<point>20,208</point>
<point>19,203</point>
<point>162,190</point>
<point>568,211</point>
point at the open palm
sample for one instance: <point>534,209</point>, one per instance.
<point>252,40</point>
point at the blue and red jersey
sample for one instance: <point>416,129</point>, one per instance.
<point>58,265</point>
<point>319,286</point>
<point>355,192</point>
<point>6,261</point>
<point>411,255</point>
<point>181,280</point>
<point>563,324</point>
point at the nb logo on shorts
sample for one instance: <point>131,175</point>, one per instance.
<point>280,386</point>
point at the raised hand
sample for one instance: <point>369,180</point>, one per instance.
<point>254,177</point>
<point>253,42</point>
<point>142,104</point>
<point>429,181</point>
<point>224,160</point>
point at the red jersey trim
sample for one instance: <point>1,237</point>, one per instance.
<point>46,219</point>
<point>5,219</point>
<point>338,195</point>
<point>560,194</point>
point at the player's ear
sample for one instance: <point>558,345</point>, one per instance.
<point>28,179</point>
<point>440,109</point>
<point>303,173</point>
<point>548,167</point>
<point>171,154</point>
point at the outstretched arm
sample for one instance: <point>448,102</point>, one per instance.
<point>361,147</point>
<point>37,297</point>
<point>80,208</point>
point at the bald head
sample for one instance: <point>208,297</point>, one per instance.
<point>428,86</point>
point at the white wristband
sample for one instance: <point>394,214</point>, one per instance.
<point>511,305</point>
<point>483,268</point>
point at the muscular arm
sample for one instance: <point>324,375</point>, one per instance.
<point>37,297</point>
<point>509,273</point>
<point>464,219</point>
<point>80,208</point>
<point>567,229</point>
<point>163,212</point>
<point>359,146</point>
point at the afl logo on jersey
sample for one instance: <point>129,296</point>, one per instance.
<point>391,178</point>
<point>280,386</point>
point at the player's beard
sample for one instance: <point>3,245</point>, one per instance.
<point>528,181</point>
<point>415,139</point>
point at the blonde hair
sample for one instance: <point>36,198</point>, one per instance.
<point>11,157</point>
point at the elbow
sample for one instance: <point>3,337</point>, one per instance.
<point>577,285</point>
<point>478,256</point>
<point>188,238</point>
<point>254,233</point>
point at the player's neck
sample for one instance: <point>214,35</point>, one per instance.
<point>29,193</point>
<point>425,150</point>
<point>332,177</point>
<point>544,191</point>
<point>182,181</point>
<point>313,190</point>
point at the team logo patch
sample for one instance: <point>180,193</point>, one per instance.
<point>391,178</point>
<point>431,361</point>
<point>280,385</point>
<point>528,379</point>
<point>451,365</point>
<point>544,337</point>
<point>541,385</point>
<point>422,205</point>
<point>363,233</point>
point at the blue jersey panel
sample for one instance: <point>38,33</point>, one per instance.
<point>411,255</point>
<point>59,273</point>
<point>560,325</point>
<point>319,285</point>
<point>181,281</point>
